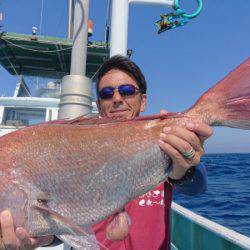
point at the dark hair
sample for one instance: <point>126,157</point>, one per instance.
<point>124,64</point>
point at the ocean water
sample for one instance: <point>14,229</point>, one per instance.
<point>227,198</point>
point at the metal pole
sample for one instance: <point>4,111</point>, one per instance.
<point>80,42</point>
<point>69,35</point>
<point>119,27</point>
<point>76,99</point>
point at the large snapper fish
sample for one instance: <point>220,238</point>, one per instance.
<point>61,176</point>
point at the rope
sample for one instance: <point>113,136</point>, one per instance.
<point>41,18</point>
<point>96,73</point>
<point>60,20</point>
<point>19,76</point>
<point>34,50</point>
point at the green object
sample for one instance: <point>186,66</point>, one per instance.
<point>45,56</point>
<point>189,16</point>
<point>192,234</point>
<point>176,4</point>
<point>177,18</point>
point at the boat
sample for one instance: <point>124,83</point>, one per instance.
<point>189,231</point>
<point>22,109</point>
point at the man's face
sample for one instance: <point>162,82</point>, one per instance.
<point>122,106</point>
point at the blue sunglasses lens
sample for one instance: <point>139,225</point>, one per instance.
<point>124,90</point>
<point>106,93</point>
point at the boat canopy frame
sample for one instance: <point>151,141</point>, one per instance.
<point>45,56</point>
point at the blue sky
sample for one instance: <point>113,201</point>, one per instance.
<point>179,65</point>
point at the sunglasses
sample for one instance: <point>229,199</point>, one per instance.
<point>124,90</point>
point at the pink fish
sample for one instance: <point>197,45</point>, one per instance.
<point>59,176</point>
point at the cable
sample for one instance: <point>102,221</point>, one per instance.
<point>34,50</point>
<point>107,23</point>
<point>19,76</point>
<point>42,51</point>
<point>60,20</point>
<point>41,18</point>
<point>95,73</point>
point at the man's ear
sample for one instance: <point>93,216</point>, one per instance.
<point>143,102</point>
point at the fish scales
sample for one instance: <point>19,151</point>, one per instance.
<point>61,162</point>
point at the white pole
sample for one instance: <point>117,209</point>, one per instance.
<point>157,2</point>
<point>76,99</point>
<point>79,48</point>
<point>69,35</point>
<point>119,27</point>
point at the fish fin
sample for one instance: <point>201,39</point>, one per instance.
<point>106,120</point>
<point>228,102</point>
<point>80,242</point>
<point>73,227</point>
<point>61,121</point>
<point>110,120</point>
<point>81,120</point>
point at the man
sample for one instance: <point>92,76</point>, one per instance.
<point>121,91</point>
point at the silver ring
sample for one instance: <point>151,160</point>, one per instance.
<point>189,154</point>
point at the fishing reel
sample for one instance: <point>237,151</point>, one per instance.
<point>177,18</point>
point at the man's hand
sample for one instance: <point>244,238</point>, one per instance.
<point>12,239</point>
<point>184,145</point>
<point>118,228</point>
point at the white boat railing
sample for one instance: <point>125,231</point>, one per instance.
<point>238,240</point>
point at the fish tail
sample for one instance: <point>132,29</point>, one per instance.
<point>228,102</point>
